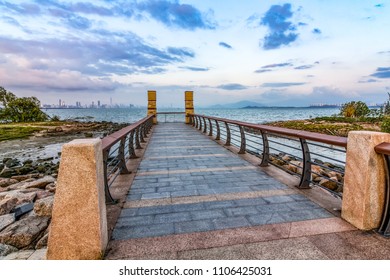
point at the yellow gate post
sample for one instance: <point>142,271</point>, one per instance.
<point>189,102</point>
<point>152,100</point>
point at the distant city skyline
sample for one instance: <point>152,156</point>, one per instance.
<point>277,53</point>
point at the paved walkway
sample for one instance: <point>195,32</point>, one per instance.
<point>191,194</point>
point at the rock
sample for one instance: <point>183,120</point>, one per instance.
<point>24,232</point>
<point>28,161</point>
<point>12,162</point>
<point>7,204</point>
<point>42,242</point>
<point>42,194</point>
<point>329,184</point>
<point>294,166</point>
<point>25,177</point>
<point>8,173</point>
<point>335,174</point>
<point>5,182</point>
<point>88,134</point>
<point>1,167</point>
<point>286,158</point>
<point>330,165</point>
<point>291,168</point>
<point>6,220</point>
<point>44,206</point>
<point>20,196</point>
<point>6,249</point>
<point>40,183</point>
<point>51,187</point>
<point>24,169</point>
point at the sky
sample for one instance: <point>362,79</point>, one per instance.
<point>277,53</point>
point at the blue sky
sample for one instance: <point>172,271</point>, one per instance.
<point>273,52</point>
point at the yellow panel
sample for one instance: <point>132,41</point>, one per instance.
<point>151,104</point>
<point>189,95</point>
<point>189,104</point>
<point>152,95</point>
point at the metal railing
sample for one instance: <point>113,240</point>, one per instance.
<point>384,228</point>
<point>119,147</point>
<point>317,159</point>
<point>171,117</point>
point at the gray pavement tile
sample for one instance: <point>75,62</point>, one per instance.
<point>302,215</point>
<point>184,193</point>
<point>143,231</point>
<point>172,217</point>
<point>219,204</point>
<point>155,195</point>
<point>134,221</point>
<point>278,207</point>
<point>142,190</point>
<point>155,210</point>
<point>265,218</point>
<point>129,212</point>
<point>250,201</point>
<point>207,214</point>
<point>302,205</point>
<point>134,197</point>
<point>231,222</point>
<point>278,199</point>
<point>187,207</point>
<point>194,226</point>
<point>241,211</point>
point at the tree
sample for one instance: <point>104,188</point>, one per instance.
<point>354,109</point>
<point>23,109</point>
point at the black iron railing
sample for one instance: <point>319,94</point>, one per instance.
<point>119,147</point>
<point>317,159</point>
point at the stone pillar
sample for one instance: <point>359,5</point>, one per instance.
<point>78,229</point>
<point>364,181</point>
<point>152,104</point>
<point>189,103</point>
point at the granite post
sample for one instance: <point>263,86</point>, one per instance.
<point>78,229</point>
<point>364,180</point>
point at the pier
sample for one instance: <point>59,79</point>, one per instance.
<point>203,187</point>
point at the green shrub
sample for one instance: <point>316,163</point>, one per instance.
<point>354,109</point>
<point>385,126</point>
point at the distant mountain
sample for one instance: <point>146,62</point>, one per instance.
<point>238,105</point>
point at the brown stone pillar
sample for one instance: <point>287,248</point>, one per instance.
<point>78,229</point>
<point>364,181</point>
<point>189,103</point>
<point>152,104</point>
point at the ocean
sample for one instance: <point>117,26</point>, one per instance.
<point>256,115</point>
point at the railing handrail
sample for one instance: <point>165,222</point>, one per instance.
<point>112,139</point>
<point>383,148</point>
<point>170,113</point>
<point>313,136</point>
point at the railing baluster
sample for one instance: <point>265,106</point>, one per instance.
<point>218,137</point>
<point>306,169</point>
<point>384,228</point>
<point>121,157</point>
<point>243,141</point>
<point>140,133</point>
<point>132,153</point>
<point>205,125</point>
<point>265,154</point>
<point>227,134</point>
<point>109,199</point>
<point>211,128</point>
<point>200,124</point>
<point>137,139</point>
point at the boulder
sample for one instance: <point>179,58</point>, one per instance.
<point>42,243</point>
<point>6,250</point>
<point>24,232</point>
<point>336,175</point>
<point>329,184</point>
<point>51,187</point>
<point>8,173</point>
<point>7,204</point>
<point>42,194</point>
<point>5,182</point>
<point>44,206</point>
<point>6,220</point>
<point>25,177</point>
<point>286,158</point>
<point>21,197</point>
<point>12,162</point>
<point>39,184</point>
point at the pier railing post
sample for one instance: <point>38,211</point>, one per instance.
<point>218,137</point>
<point>205,125</point>
<point>211,128</point>
<point>306,169</point>
<point>78,228</point>
<point>227,134</point>
<point>243,141</point>
<point>265,154</point>
<point>364,181</point>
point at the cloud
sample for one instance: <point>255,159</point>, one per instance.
<point>303,67</point>
<point>182,52</point>
<point>175,14</point>
<point>24,8</point>
<point>381,5</point>
<point>78,22</point>
<point>317,31</point>
<point>280,29</point>
<point>225,45</point>
<point>382,73</point>
<point>279,85</point>
<point>262,70</point>
<point>276,65</point>
<point>363,81</point>
<point>232,87</point>
<point>195,69</point>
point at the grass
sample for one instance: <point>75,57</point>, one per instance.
<point>12,131</point>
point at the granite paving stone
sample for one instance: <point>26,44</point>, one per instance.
<point>189,198</point>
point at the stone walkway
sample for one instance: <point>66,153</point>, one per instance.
<point>189,189</point>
